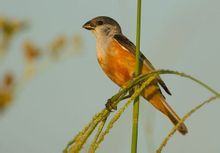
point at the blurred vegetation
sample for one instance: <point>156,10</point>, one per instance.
<point>8,29</point>
<point>36,58</point>
<point>6,90</point>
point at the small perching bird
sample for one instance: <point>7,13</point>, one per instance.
<point>116,56</point>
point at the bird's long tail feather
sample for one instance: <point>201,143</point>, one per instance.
<point>159,102</point>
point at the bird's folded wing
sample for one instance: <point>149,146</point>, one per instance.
<point>125,42</point>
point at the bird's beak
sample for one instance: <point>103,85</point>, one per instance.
<point>89,25</point>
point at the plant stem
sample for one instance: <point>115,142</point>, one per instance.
<point>137,72</point>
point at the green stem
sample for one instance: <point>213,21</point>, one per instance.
<point>137,72</point>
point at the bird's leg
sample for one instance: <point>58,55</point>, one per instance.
<point>110,105</point>
<point>110,102</point>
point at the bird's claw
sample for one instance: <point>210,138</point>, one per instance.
<point>110,106</point>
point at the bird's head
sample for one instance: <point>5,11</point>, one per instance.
<point>103,25</point>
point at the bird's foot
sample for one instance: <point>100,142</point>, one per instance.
<point>110,105</point>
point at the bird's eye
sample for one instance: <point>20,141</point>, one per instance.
<point>99,22</point>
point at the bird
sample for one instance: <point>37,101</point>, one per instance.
<point>116,56</point>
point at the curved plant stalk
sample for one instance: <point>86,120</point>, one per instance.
<point>140,82</point>
<point>93,146</point>
<point>76,145</point>
<point>119,113</point>
<point>183,120</point>
<point>181,74</point>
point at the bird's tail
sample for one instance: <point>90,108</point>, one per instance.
<point>158,101</point>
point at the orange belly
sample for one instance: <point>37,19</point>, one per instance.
<point>118,63</point>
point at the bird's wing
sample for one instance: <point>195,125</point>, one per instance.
<point>125,42</point>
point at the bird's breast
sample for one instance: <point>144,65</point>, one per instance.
<point>117,62</point>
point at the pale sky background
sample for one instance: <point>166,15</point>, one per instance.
<point>180,35</point>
